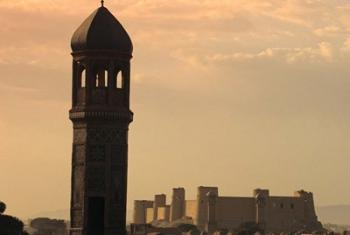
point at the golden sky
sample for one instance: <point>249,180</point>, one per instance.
<point>234,93</point>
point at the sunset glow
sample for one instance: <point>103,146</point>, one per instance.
<point>233,93</point>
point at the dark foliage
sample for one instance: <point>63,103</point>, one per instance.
<point>10,225</point>
<point>186,227</point>
<point>2,207</point>
<point>249,228</point>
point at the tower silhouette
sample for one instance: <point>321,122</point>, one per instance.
<point>101,50</point>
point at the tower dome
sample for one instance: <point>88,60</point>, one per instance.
<point>101,31</point>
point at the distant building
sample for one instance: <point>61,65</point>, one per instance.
<point>211,212</point>
<point>46,226</point>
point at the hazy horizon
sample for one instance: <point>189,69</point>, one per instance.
<point>230,93</point>
<point>336,214</point>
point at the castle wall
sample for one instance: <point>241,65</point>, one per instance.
<point>159,201</point>
<point>140,209</point>
<point>292,213</point>
<point>211,212</point>
<point>284,213</point>
<point>164,213</point>
<point>191,209</point>
<point>233,211</point>
<point>149,215</point>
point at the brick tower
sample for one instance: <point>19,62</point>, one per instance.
<point>101,50</point>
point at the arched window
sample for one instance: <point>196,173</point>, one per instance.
<point>106,78</point>
<point>96,81</point>
<point>83,78</point>
<point>102,78</point>
<point>119,80</point>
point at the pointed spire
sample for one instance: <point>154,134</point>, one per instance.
<point>102,3</point>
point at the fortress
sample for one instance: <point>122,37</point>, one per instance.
<point>211,212</point>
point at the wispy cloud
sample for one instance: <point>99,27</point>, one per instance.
<point>32,55</point>
<point>321,53</point>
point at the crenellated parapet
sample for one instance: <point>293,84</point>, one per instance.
<point>211,212</point>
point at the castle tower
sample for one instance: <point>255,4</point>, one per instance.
<point>309,207</point>
<point>100,113</point>
<point>140,211</point>
<point>177,210</point>
<point>211,224</point>
<point>202,205</point>
<point>159,201</point>
<point>261,209</point>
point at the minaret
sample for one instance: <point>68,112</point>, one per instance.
<point>101,114</point>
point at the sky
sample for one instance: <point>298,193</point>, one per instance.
<point>230,93</point>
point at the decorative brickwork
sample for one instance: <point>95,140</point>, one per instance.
<point>97,153</point>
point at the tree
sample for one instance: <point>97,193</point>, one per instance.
<point>10,225</point>
<point>186,227</point>
<point>2,207</point>
<point>249,228</point>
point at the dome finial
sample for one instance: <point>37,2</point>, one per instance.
<point>102,3</point>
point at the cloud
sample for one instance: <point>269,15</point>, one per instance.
<point>10,89</point>
<point>328,31</point>
<point>201,31</point>
<point>346,45</point>
<point>323,52</point>
<point>326,51</point>
<point>32,55</point>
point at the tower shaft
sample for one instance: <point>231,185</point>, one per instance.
<point>101,116</point>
